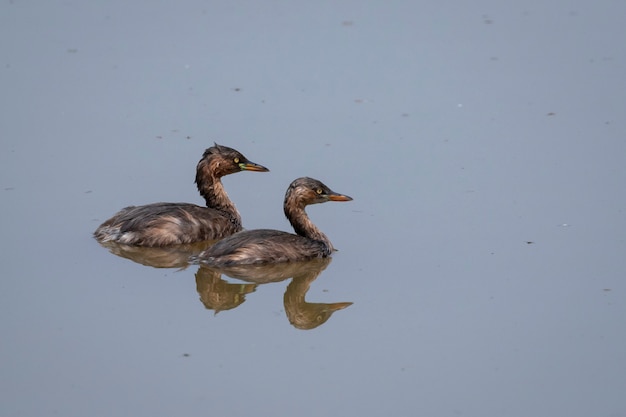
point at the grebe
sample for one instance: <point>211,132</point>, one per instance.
<point>163,224</point>
<point>273,246</point>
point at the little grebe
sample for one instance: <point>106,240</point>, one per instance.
<point>163,224</point>
<point>273,246</point>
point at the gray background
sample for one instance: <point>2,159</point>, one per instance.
<point>463,131</point>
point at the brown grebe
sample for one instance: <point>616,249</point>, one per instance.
<point>163,224</point>
<point>272,246</point>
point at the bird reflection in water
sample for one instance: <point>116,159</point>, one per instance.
<point>218,294</point>
<point>159,257</point>
<point>301,314</point>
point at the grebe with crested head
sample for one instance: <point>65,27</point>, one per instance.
<point>164,224</point>
<point>272,246</point>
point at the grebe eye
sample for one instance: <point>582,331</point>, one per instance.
<point>319,191</point>
<point>236,160</point>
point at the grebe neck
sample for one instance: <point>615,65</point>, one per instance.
<point>215,196</point>
<point>303,226</point>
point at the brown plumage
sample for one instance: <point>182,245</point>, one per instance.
<point>273,246</point>
<point>164,224</point>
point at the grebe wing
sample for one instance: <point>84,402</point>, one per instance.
<point>162,224</point>
<point>138,217</point>
<point>263,246</point>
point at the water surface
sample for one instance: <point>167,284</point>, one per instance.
<point>483,253</point>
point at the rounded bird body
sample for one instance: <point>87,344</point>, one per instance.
<point>164,224</point>
<point>273,246</point>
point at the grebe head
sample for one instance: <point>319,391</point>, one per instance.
<point>305,191</point>
<point>223,160</point>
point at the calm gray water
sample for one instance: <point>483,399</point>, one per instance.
<point>484,145</point>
